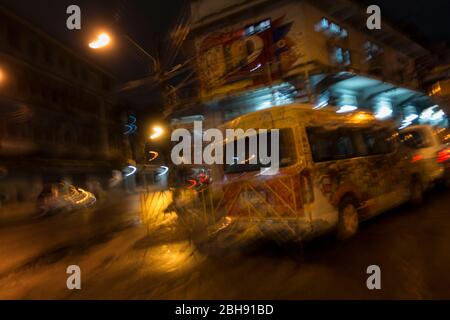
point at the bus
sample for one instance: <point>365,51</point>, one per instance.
<point>335,171</point>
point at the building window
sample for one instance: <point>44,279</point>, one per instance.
<point>334,28</point>
<point>322,25</point>
<point>258,27</point>
<point>372,50</point>
<point>345,143</point>
<point>341,56</point>
<point>435,89</point>
<point>331,29</point>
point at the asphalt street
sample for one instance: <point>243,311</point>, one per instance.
<point>121,256</point>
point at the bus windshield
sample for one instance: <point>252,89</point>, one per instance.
<point>287,153</point>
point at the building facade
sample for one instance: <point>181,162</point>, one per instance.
<point>58,119</point>
<point>256,54</point>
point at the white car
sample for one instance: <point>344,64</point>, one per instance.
<point>430,151</point>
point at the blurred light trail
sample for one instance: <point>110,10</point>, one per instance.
<point>154,155</point>
<point>85,196</point>
<point>165,170</point>
<point>131,127</point>
<point>133,171</point>
<point>193,183</point>
<point>256,68</point>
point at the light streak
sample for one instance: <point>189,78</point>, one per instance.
<point>193,183</point>
<point>154,155</point>
<point>131,127</point>
<point>86,196</point>
<point>256,68</point>
<point>133,171</point>
<point>165,170</point>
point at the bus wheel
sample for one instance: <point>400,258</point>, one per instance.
<point>348,219</point>
<point>416,189</point>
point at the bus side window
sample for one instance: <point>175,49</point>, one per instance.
<point>321,144</point>
<point>344,148</point>
<point>358,141</point>
<point>379,142</point>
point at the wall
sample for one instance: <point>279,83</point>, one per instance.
<point>55,109</point>
<point>305,43</point>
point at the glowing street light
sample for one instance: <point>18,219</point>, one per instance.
<point>2,76</point>
<point>103,39</point>
<point>157,132</point>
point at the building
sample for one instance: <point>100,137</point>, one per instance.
<point>437,81</point>
<point>439,84</point>
<point>256,54</point>
<point>434,73</point>
<point>441,88</point>
<point>58,119</point>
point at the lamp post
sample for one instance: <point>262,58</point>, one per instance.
<point>103,40</point>
<point>156,64</point>
<point>156,77</point>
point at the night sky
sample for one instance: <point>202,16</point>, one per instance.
<point>427,20</point>
<point>143,20</point>
<point>146,20</point>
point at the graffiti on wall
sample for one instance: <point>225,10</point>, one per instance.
<point>226,58</point>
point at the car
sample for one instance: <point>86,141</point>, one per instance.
<point>56,197</point>
<point>444,153</point>
<point>431,152</point>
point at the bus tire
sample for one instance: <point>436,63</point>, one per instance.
<point>348,223</point>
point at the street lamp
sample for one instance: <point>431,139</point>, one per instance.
<point>148,55</point>
<point>157,132</point>
<point>2,76</point>
<point>102,40</point>
<point>157,74</point>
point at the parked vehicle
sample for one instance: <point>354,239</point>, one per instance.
<point>444,153</point>
<point>63,197</point>
<point>336,170</point>
<point>431,152</point>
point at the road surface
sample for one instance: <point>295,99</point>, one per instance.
<point>123,258</point>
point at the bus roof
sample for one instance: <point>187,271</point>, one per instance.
<point>303,113</point>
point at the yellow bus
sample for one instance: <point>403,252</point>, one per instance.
<point>336,170</point>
